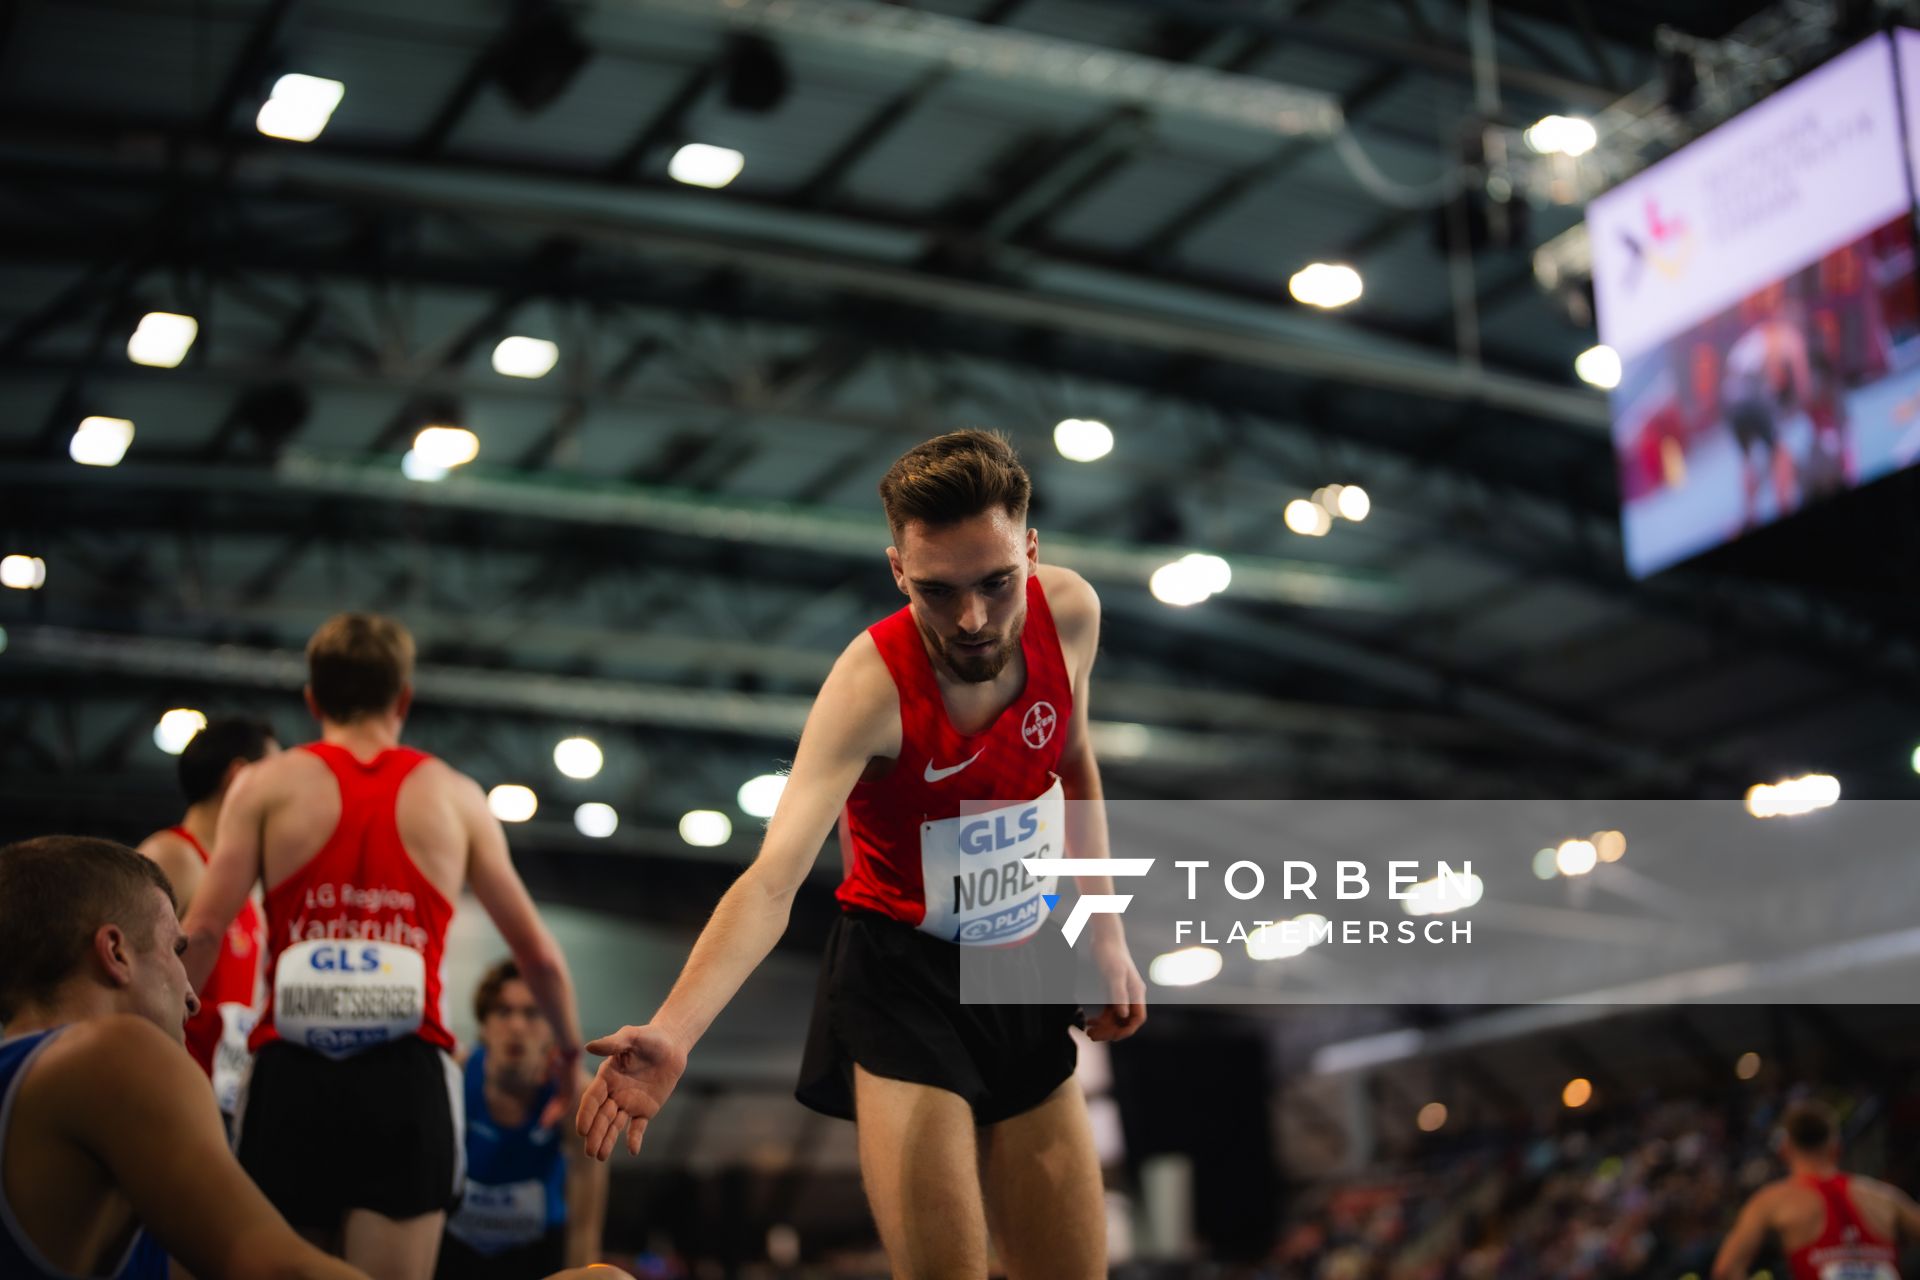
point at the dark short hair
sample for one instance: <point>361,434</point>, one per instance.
<point>492,983</point>
<point>210,752</point>
<point>955,477</point>
<point>55,891</point>
<point>1810,1126</point>
<point>357,664</point>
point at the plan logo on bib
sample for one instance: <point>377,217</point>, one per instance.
<point>1037,727</point>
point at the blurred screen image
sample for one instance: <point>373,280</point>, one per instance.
<point>1758,289</point>
<point>1804,388</point>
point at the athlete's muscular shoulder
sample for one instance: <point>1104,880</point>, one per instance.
<point>857,712</point>
<point>178,859</point>
<point>1076,612</point>
<point>279,777</point>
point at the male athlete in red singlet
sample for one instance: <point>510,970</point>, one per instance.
<point>1832,1226</point>
<point>351,1122</point>
<point>969,1118</point>
<point>229,1000</point>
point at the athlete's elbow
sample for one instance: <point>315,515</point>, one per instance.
<point>771,886</point>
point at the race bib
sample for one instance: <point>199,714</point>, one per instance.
<point>492,1219</point>
<point>339,996</point>
<point>978,891</point>
<point>1858,1269</point>
<point>230,1056</point>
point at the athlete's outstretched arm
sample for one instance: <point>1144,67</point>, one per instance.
<point>850,723</point>
<point>231,871</point>
<point>161,1120</point>
<point>504,897</point>
<point>1743,1243</point>
<point>1077,614</point>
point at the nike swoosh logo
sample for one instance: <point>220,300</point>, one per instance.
<point>934,775</point>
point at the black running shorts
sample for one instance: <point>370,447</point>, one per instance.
<point>889,1000</point>
<point>380,1130</point>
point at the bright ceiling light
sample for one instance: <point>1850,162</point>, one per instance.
<point>705,828</point>
<point>511,802</point>
<point>1793,798</point>
<point>1576,857</point>
<point>578,757</point>
<point>1915,760</point>
<point>1308,519</point>
<point>1748,1066</point>
<point>1083,439</point>
<point>1578,1093</point>
<point>1562,135</point>
<point>1610,845</point>
<point>414,468</point>
<point>525,357</point>
<point>1443,895</point>
<point>162,339</point>
<point>446,447</point>
<point>1190,579</point>
<point>1353,503</point>
<point>299,107</point>
<point>23,573</point>
<point>1175,585</point>
<point>1325,284</point>
<point>760,796</point>
<point>100,442</point>
<point>1432,1117</point>
<point>1598,367</point>
<point>1187,967</point>
<point>699,165</point>
<point>176,729</point>
<point>1211,572</point>
<point>596,821</point>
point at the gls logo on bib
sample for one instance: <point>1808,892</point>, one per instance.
<point>1000,832</point>
<point>341,997</point>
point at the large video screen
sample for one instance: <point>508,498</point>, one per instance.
<point>1759,288</point>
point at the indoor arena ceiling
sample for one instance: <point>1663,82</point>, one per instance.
<point>951,214</point>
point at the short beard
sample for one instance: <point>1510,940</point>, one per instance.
<point>982,669</point>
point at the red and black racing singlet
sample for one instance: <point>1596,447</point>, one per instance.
<point>1848,1249</point>
<point>228,995</point>
<point>909,852</point>
<point>355,937</point>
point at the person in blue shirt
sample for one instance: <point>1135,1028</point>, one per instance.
<point>533,1201</point>
<point>112,1152</point>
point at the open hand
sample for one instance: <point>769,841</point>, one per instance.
<point>642,1066</point>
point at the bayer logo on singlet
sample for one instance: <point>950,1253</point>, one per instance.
<point>1037,727</point>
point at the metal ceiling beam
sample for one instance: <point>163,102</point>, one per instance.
<point>776,244</point>
<point>825,181</point>
<point>902,35</point>
<point>557,644</point>
<point>834,532</point>
<point>1369,41</point>
<point>576,698</point>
